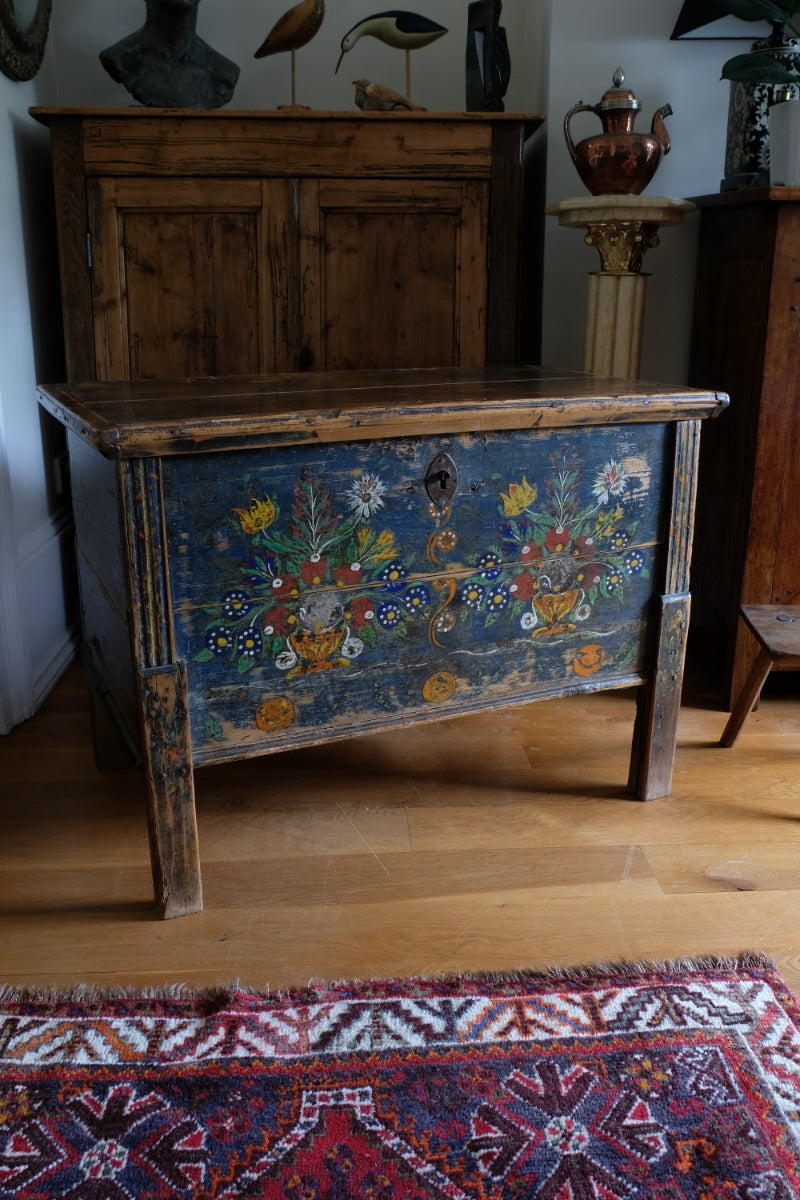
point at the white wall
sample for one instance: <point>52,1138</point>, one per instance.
<point>562,51</point>
<point>37,618</point>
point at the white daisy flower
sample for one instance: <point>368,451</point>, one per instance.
<point>365,496</point>
<point>610,481</point>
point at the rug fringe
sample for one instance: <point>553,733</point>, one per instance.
<point>744,960</point>
<point>221,994</point>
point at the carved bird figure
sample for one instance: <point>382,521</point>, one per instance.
<point>403,30</point>
<point>293,30</point>
<point>375,97</point>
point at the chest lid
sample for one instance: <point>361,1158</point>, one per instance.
<point>136,419</point>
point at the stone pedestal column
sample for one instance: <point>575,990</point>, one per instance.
<point>622,228</point>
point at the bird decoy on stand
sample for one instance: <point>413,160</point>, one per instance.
<point>292,31</point>
<point>404,30</point>
<point>375,97</point>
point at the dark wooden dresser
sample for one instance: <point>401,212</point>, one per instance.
<point>746,341</point>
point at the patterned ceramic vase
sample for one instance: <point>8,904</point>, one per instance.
<point>747,146</point>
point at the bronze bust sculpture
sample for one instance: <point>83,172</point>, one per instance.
<point>166,65</point>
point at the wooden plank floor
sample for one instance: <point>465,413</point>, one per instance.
<point>487,843</point>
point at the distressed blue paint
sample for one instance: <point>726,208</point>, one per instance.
<point>316,587</point>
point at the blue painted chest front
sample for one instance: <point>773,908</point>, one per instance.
<point>322,589</point>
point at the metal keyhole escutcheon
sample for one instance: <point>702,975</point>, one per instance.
<point>441,480</point>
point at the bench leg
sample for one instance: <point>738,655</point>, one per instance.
<point>747,697</point>
<point>172,825</point>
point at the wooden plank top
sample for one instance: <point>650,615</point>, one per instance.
<point>154,141</point>
<point>776,193</point>
<point>45,113</point>
<point>134,419</point>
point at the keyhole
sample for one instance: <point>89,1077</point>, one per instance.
<point>441,480</point>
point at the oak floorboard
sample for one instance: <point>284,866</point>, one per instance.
<point>494,842</point>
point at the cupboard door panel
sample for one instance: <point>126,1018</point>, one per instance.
<point>403,274</point>
<point>189,277</point>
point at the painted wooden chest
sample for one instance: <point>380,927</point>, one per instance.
<point>271,562</point>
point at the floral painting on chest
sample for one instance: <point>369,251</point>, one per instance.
<point>327,586</point>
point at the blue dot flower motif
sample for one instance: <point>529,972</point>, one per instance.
<point>619,540</point>
<point>613,581</point>
<point>219,639</point>
<point>389,615</point>
<point>392,575</point>
<point>236,604</point>
<point>634,562</point>
<point>472,595</point>
<point>417,598</point>
<point>490,565</point>
<point>248,643</point>
<point>497,598</point>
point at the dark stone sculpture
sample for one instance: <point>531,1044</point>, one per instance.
<point>488,59</point>
<point>166,65</point>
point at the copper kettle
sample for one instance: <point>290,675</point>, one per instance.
<point>618,161</point>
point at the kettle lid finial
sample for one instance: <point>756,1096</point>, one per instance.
<point>618,96</point>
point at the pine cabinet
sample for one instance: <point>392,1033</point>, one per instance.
<point>746,324</point>
<point>228,243</point>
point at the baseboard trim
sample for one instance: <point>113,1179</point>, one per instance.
<point>46,674</point>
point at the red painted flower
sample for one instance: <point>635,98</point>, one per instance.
<point>532,552</point>
<point>590,574</point>
<point>348,576</point>
<point>582,546</point>
<point>276,621</point>
<point>284,586</point>
<point>522,586</point>
<point>314,571</point>
<point>557,540</point>
<point>360,610</point>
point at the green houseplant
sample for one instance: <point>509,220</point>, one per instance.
<point>762,66</point>
<point>761,127</point>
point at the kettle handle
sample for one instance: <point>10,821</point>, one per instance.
<point>576,108</point>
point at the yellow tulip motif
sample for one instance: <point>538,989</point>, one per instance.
<point>258,516</point>
<point>519,497</point>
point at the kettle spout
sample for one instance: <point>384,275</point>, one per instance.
<point>659,129</point>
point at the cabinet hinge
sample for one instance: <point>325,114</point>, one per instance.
<point>88,249</point>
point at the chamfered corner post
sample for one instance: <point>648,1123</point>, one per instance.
<point>163,697</point>
<point>658,704</point>
<point>659,699</point>
<point>171,820</point>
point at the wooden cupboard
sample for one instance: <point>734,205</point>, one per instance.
<point>745,338</point>
<point>227,243</point>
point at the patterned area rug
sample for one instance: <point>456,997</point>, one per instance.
<point>666,1082</point>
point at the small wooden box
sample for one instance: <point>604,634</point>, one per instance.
<point>271,562</point>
